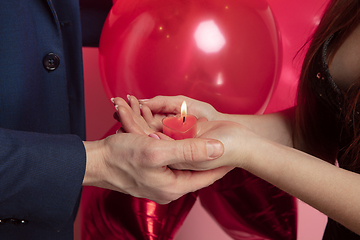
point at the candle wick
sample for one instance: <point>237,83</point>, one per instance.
<point>183,119</point>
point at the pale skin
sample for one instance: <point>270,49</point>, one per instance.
<point>263,146</point>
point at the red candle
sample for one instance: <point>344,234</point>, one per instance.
<point>180,126</point>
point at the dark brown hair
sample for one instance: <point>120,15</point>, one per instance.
<point>341,17</point>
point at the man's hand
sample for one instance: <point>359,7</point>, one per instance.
<point>138,165</point>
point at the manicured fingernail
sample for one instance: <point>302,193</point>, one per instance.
<point>214,149</point>
<point>153,135</point>
<point>143,100</point>
<point>128,97</point>
<point>112,100</point>
<point>117,107</point>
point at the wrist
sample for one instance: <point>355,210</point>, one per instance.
<point>252,151</point>
<point>261,158</point>
<point>94,159</point>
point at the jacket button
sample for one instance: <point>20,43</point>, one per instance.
<point>51,61</point>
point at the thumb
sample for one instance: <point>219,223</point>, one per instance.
<point>194,150</point>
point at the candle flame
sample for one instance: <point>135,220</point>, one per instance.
<point>183,109</point>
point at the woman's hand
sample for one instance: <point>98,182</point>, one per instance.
<point>137,117</point>
<point>275,127</point>
<point>130,116</point>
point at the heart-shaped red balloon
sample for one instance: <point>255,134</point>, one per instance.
<point>227,52</point>
<point>247,207</point>
<point>112,215</point>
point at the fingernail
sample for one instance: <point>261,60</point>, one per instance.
<point>112,100</point>
<point>143,100</point>
<point>214,149</point>
<point>117,107</point>
<point>128,97</point>
<point>153,135</point>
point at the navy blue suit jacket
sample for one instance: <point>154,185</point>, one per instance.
<point>42,118</point>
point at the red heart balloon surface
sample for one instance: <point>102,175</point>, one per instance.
<point>227,53</point>
<point>112,215</point>
<point>247,207</point>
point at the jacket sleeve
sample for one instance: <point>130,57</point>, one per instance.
<point>41,177</point>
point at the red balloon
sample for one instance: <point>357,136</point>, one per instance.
<point>247,207</point>
<point>113,215</point>
<point>227,53</point>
